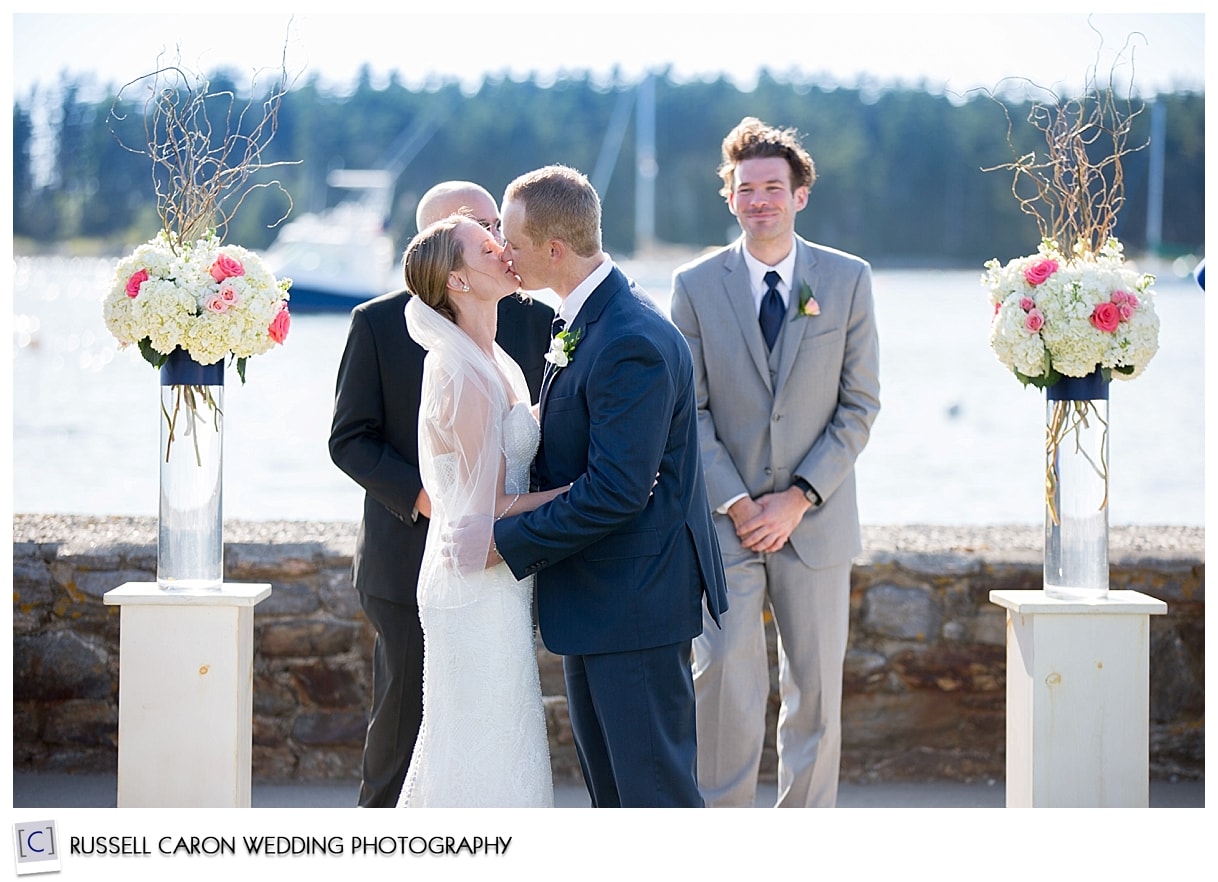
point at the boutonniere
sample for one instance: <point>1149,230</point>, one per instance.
<point>562,348</point>
<point>807,303</point>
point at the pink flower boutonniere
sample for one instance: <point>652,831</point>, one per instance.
<point>807,302</point>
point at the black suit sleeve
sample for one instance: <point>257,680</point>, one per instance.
<point>362,442</point>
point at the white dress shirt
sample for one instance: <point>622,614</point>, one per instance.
<point>573,302</point>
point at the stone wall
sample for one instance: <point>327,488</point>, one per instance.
<point>924,683</point>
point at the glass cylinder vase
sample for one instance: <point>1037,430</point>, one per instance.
<point>190,540</point>
<point>1076,488</point>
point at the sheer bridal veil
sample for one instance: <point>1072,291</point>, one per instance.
<point>461,453</point>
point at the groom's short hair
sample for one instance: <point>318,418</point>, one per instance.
<point>559,203</point>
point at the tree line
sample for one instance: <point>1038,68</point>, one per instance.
<point>900,170</point>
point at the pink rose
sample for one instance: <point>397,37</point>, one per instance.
<point>279,327</point>
<point>811,307</point>
<point>1034,321</point>
<point>1126,303</point>
<point>133,283</point>
<point>1039,271</point>
<point>1027,304</point>
<point>215,303</point>
<point>229,295</point>
<point>1106,317</point>
<point>226,267</point>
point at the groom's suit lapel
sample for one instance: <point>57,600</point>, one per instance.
<point>589,313</point>
<point>546,379</point>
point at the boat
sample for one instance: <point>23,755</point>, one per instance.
<point>342,256</point>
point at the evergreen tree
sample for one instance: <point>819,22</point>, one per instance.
<point>900,170</point>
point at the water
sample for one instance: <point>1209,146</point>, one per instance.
<point>1076,538</point>
<point>958,440</point>
<point>190,528</point>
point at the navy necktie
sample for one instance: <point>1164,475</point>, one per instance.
<point>556,328</point>
<point>772,310</point>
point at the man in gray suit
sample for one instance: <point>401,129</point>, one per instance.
<point>785,352</point>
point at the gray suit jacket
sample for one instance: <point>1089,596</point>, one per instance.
<point>814,416</point>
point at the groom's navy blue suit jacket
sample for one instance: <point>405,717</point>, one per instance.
<point>624,560</point>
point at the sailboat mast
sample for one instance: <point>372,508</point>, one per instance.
<point>646,167</point>
<point>1154,196</point>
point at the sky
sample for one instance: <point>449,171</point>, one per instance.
<point>952,52</point>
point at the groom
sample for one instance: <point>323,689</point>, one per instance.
<point>623,560</point>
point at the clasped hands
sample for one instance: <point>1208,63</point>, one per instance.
<point>766,523</point>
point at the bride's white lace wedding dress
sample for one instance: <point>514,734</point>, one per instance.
<point>483,739</point>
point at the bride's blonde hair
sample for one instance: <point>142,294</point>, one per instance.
<point>429,258</point>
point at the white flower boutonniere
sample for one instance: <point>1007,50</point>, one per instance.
<point>562,348</point>
<point>807,303</point>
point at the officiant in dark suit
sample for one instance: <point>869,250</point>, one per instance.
<point>374,440</point>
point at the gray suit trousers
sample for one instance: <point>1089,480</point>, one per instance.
<point>811,613</point>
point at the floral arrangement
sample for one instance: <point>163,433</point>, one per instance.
<point>1074,308</point>
<point>212,300</point>
<point>1056,316</point>
<point>562,348</point>
<point>185,288</point>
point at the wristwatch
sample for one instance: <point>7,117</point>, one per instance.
<point>808,490</point>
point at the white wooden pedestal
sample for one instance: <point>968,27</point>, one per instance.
<point>185,694</point>
<point>1078,699</point>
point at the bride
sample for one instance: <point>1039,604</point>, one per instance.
<point>483,739</point>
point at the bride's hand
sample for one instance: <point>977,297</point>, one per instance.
<point>467,545</point>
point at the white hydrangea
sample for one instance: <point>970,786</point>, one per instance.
<point>1071,316</point>
<point>168,307</point>
<point>1017,349</point>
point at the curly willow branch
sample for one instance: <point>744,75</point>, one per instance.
<point>1076,187</point>
<point>205,147</point>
